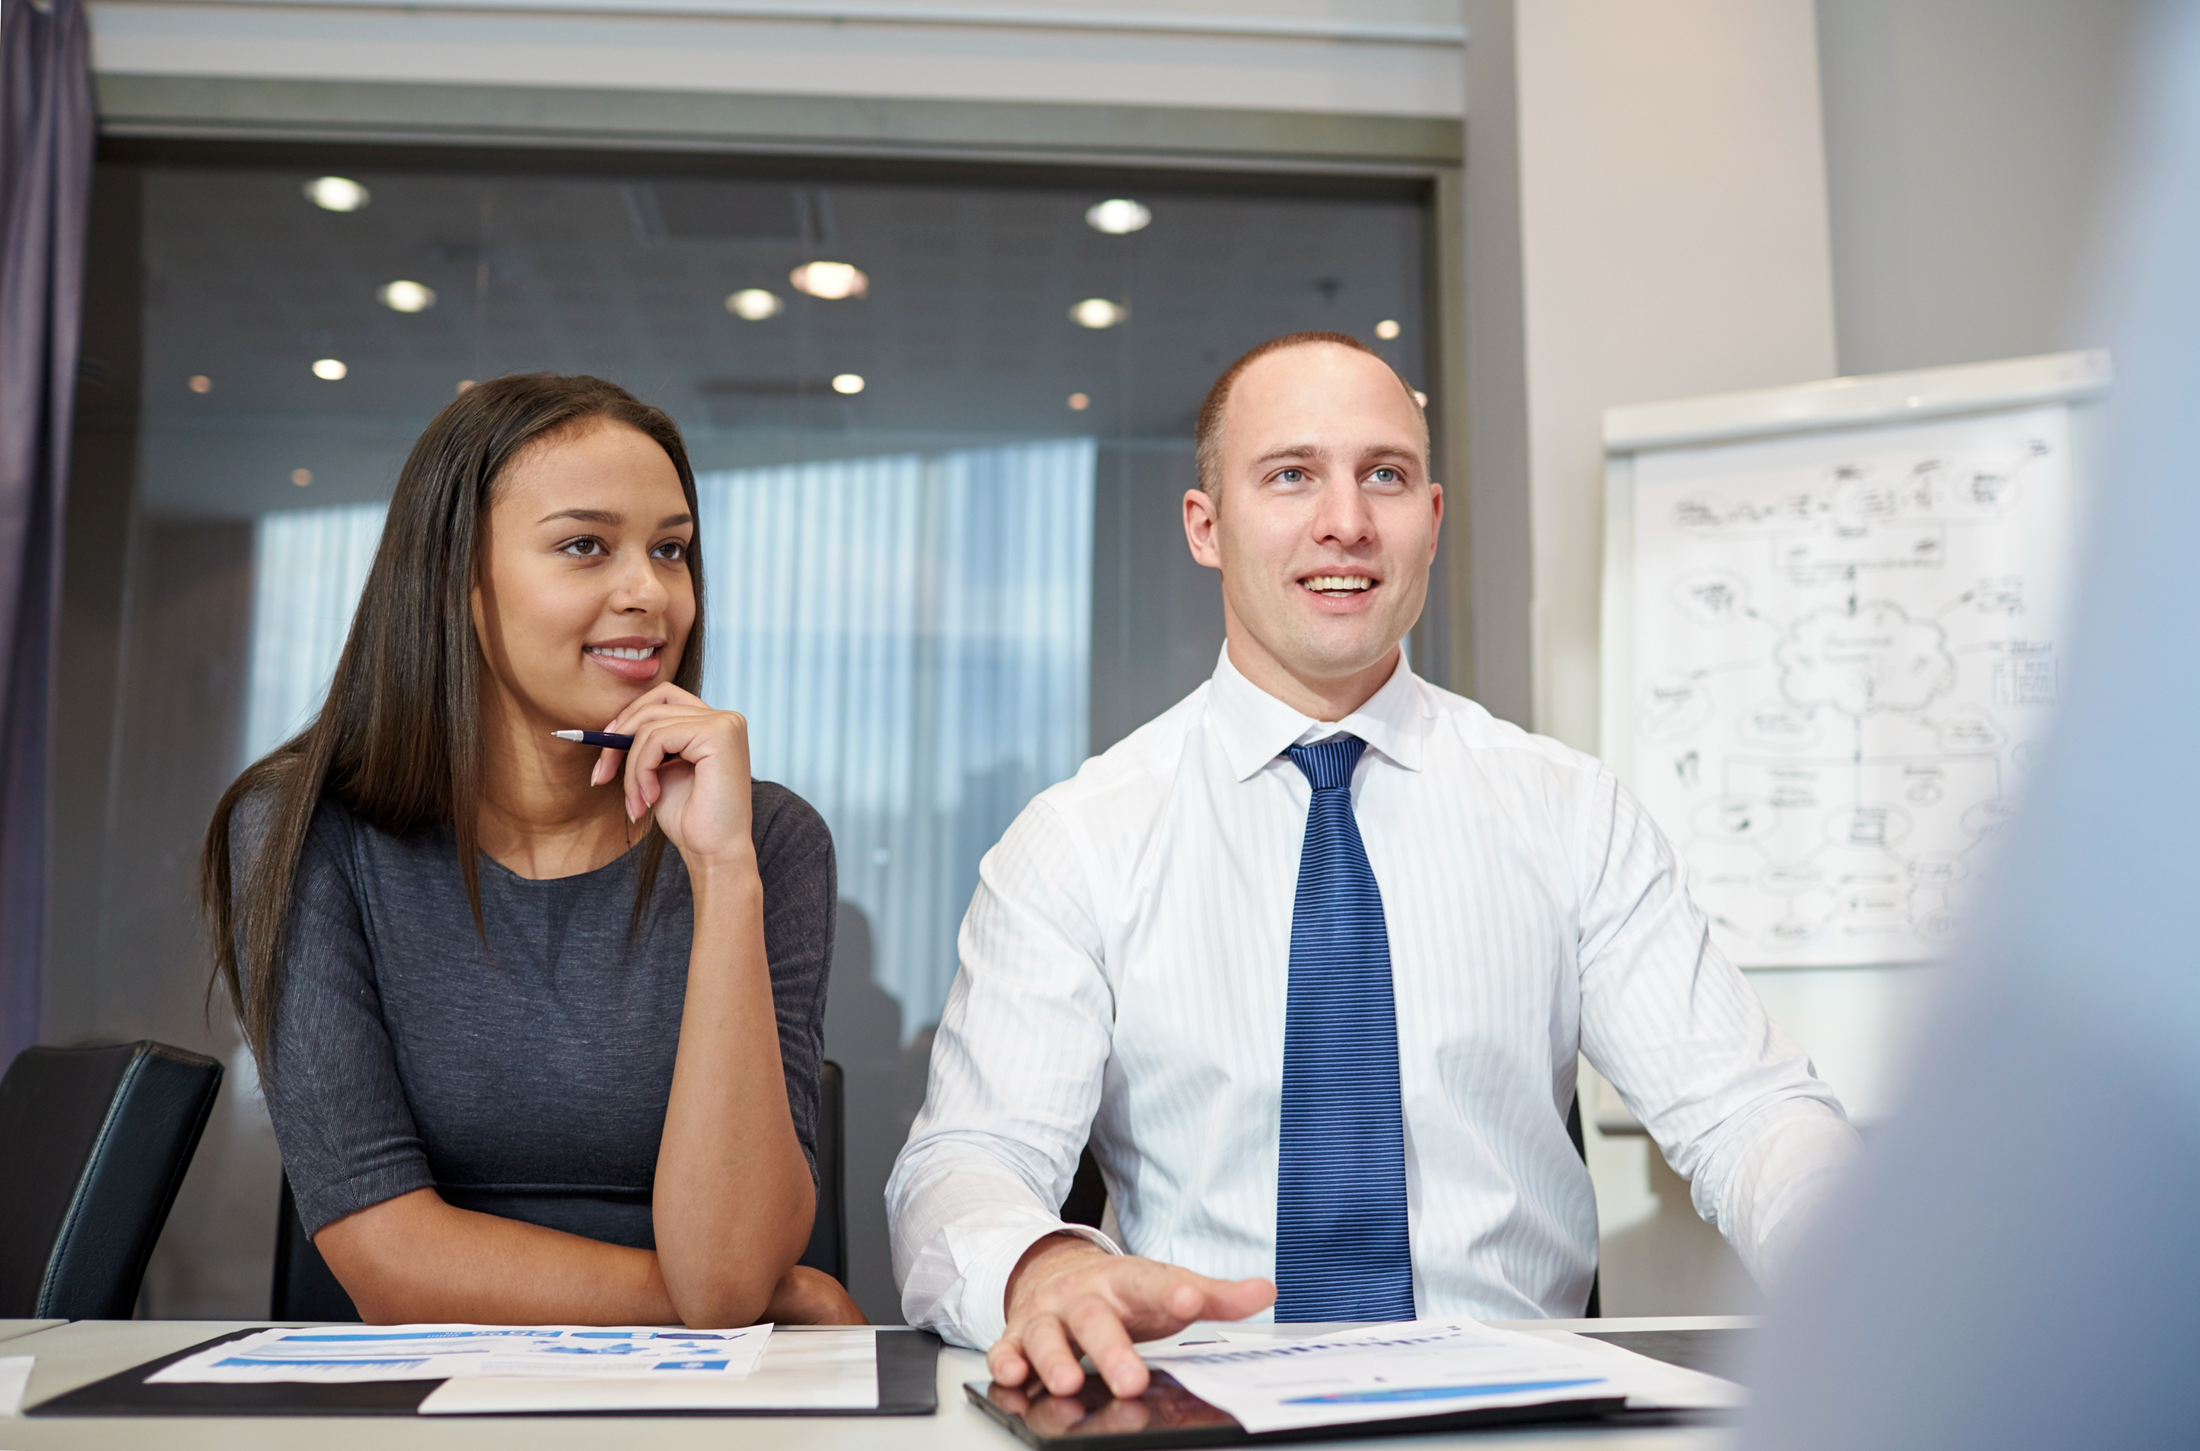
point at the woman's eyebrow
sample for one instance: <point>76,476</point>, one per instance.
<point>612,519</point>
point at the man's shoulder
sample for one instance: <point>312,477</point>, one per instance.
<point>1499,744</point>
<point>1141,765</point>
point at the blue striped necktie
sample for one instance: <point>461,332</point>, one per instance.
<point>1342,1251</point>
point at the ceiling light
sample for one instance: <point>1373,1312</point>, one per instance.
<point>329,368</point>
<point>847,382</point>
<point>1387,329</point>
<point>754,304</point>
<point>1420,397</point>
<point>402,296</point>
<point>301,477</point>
<point>200,383</point>
<point>1117,216</point>
<point>465,385</point>
<point>1079,402</point>
<point>1098,312</point>
<point>830,280</point>
<point>336,194</point>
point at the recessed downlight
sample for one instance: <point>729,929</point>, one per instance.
<point>831,281</point>
<point>1098,312</point>
<point>405,296</point>
<point>1117,216</point>
<point>200,383</point>
<point>850,383</point>
<point>1387,329</point>
<point>754,304</point>
<point>329,368</point>
<point>1079,402</point>
<point>336,194</point>
<point>1420,397</point>
<point>301,477</point>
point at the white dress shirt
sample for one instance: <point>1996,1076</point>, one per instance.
<point>1125,966</point>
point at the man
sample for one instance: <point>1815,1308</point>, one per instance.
<point>1310,958</point>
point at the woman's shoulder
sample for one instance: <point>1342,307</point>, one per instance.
<point>787,829</point>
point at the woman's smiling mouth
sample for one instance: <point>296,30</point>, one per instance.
<point>627,659</point>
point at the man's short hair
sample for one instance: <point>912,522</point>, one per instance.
<point>1207,435</point>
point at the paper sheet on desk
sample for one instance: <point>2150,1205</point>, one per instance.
<point>1388,1372</point>
<point>801,1370</point>
<point>336,1354</point>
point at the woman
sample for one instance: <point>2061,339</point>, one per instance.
<point>524,1065</point>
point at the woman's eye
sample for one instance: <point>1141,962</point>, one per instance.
<point>672,549</point>
<point>584,548</point>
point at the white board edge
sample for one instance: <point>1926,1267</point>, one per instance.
<point>1881,398</point>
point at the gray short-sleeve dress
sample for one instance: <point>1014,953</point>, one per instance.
<point>523,1071</point>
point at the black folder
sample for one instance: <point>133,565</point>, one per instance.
<point>907,1386</point>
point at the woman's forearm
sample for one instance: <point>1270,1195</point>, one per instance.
<point>733,1199</point>
<point>417,1259</point>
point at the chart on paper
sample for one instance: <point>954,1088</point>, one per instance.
<point>1847,652</point>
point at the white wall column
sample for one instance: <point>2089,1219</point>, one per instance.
<point>1646,218</point>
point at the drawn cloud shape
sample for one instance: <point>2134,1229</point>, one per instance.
<point>1876,658</point>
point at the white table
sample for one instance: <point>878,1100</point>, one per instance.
<point>78,1353</point>
<point>10,1329</point>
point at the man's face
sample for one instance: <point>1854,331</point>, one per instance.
<point>1326,524</point>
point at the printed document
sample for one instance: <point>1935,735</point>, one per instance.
<point>803,1369</point>
<point>1389,1372</point>
<point>329,1354</point>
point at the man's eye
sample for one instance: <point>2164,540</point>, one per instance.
<point>1387,475</point>
<point>1291,476</point>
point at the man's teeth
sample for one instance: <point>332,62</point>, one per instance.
<point>1337,582</point>
<point>623,652</point>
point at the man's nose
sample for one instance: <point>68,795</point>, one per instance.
<point>1341,514</point>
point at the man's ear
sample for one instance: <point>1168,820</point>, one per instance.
<point>1200,522</point>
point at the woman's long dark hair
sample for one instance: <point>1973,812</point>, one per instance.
<point>398,740</point>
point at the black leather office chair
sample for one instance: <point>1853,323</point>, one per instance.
<point>828,1249</point>
<point>95,1142</point>
<point>307,1289</point>
<point>1087,1203</point>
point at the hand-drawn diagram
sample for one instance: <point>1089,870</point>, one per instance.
<point>1846,654</point>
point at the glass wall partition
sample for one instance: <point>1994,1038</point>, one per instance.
<point>940,418</point>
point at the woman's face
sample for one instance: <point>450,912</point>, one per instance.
<point>582,598</point>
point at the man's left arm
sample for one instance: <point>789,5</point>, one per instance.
<point>1733,1102</point>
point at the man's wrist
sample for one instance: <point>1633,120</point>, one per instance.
<point>1044,1248</point>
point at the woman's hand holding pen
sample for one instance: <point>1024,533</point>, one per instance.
<point>690,764</point>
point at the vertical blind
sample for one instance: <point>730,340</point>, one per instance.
<point>908,637</point>
<point>308,568</point>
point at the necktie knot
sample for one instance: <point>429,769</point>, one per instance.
<point>1328,764</point>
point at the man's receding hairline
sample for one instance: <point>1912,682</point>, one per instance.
<point>1275,348</point>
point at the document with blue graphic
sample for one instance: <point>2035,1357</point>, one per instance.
<point>330,1354</point>
<point>1388,1372</point>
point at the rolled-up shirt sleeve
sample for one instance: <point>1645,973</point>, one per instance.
<point>1733,1102</point>
<point>1015,1080</point>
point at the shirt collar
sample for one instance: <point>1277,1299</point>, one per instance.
<point>1255,727</point>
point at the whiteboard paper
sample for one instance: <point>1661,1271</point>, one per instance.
<point>1847,652</point>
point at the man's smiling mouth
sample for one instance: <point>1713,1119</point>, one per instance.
<point>1337,586</point>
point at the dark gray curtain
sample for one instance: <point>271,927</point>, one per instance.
<point>45,188</point>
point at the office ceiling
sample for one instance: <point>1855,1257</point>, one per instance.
<point>964,335</point>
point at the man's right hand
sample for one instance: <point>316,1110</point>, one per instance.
<point>1068,1296</point>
